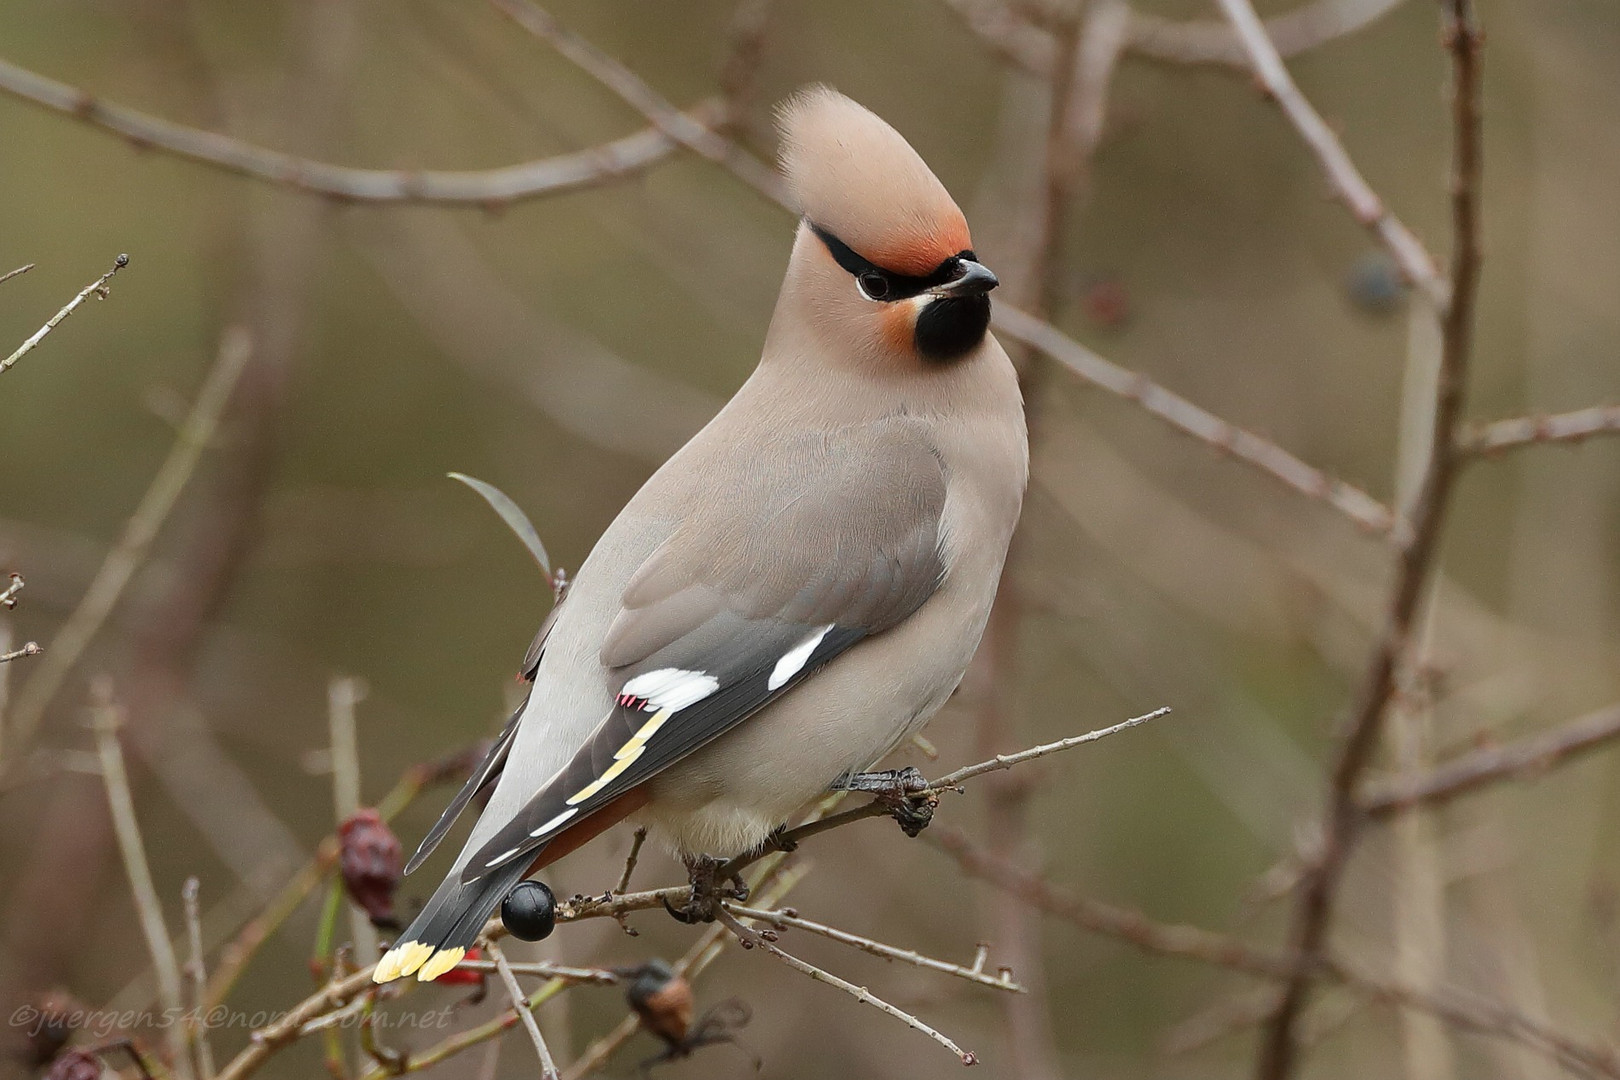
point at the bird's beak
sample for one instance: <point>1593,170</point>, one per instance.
<point>976,279</point>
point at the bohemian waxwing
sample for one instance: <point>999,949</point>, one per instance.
<point>797,590</point>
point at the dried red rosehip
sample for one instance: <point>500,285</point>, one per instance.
<point>371,865</point>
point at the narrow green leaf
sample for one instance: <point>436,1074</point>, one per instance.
<point>515,519</point>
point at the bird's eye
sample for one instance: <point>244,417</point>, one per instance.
<point>873,286</point>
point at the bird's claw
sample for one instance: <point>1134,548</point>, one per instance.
<point>708,890</point>
<point>905,793</point>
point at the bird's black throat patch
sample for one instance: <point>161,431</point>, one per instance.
<point>951,327</point>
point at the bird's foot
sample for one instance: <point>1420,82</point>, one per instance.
<point>779,840</point>
<point>905,793</point>
<point>708,890</point>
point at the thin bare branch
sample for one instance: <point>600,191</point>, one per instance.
<point>623,886</point>
<point>1314,911</point>
<point>9,274</point>
<point>32,648</point>
<point>775,879</point>
<point>1198,41</point>
<point>8,597</point>
<point>129,553</point>
<point>197,980</point>
<point>949,782</point>
<point>1402,244</point>
<point>1526,758</point>
<point>1213,41</point>
<point>1002,980</point>
<point>694,134</point>
<point>1570,427</point>
<point>1364,510</point>
<point>342,696</point>
<point>1456,1006</point>
<point>753,939</point>
<point>520,1002</point>
<point>106,719</point>
<point>594,166</point>
<point>1007,761</point>
<point>1186,942</point>
<point>97,288</point>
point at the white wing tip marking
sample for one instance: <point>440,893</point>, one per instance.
<point>794,659</point>
<point>554,822</point>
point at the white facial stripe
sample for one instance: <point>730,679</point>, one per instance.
<point>671,688</point>
<point>794,660</point>
<point>608,776</point>
<point>554,822</point>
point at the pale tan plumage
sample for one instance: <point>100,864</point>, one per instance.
<point>803,584</point>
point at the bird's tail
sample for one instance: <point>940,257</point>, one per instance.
<point>440,936</point>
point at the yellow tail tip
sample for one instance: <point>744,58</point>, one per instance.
<point>441,962</point>
<point>400,961</point>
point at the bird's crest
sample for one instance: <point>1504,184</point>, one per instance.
<point>853,175</point>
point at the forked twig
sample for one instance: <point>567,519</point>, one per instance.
<point>753,939</point>
<point>1402,244</point>
<point>1002,980</point>
<point>1530,756</point>
<point>520,1002</point>
<point>97,288</point>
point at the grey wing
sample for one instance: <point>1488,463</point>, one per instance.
<point>781,573</point>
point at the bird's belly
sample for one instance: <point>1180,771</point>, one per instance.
<point>727,797</point>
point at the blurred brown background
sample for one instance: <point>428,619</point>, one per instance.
<point>396,343</point>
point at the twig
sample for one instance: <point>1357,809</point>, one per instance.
<point>1458,1007</point>
<point>607,163</point>
<point>235,956</point>
<point>1314,911</point>
<point>1404,247</point>
<point>1002,980</point>
<point>546,970</point>
<point>1186,942</point>
<point>1197,41</point>
<point>1007,761</point>
<point>1527,757</point>
<point>130,552</point>
<point>465,1040</point>
<point>520,1002</point>
<point>8,275</point>
<point>1308,26</point>
<point>98,287</point>
<point>1181,414</point>
<point>32,648</point>
<point>342,695</point>
<point>8,598</point>
<point>692,133</point>
<point>630,868</point>
<point>339,993</point>
<point>105,721</point>
<point>774,879</point>
<point>752,939</point>
<point>197,977</point>
<point>1570,427</point>
<point>821,823</point>
<point>5,683</point>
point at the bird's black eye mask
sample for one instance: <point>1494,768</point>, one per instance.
<point>886,286</point>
